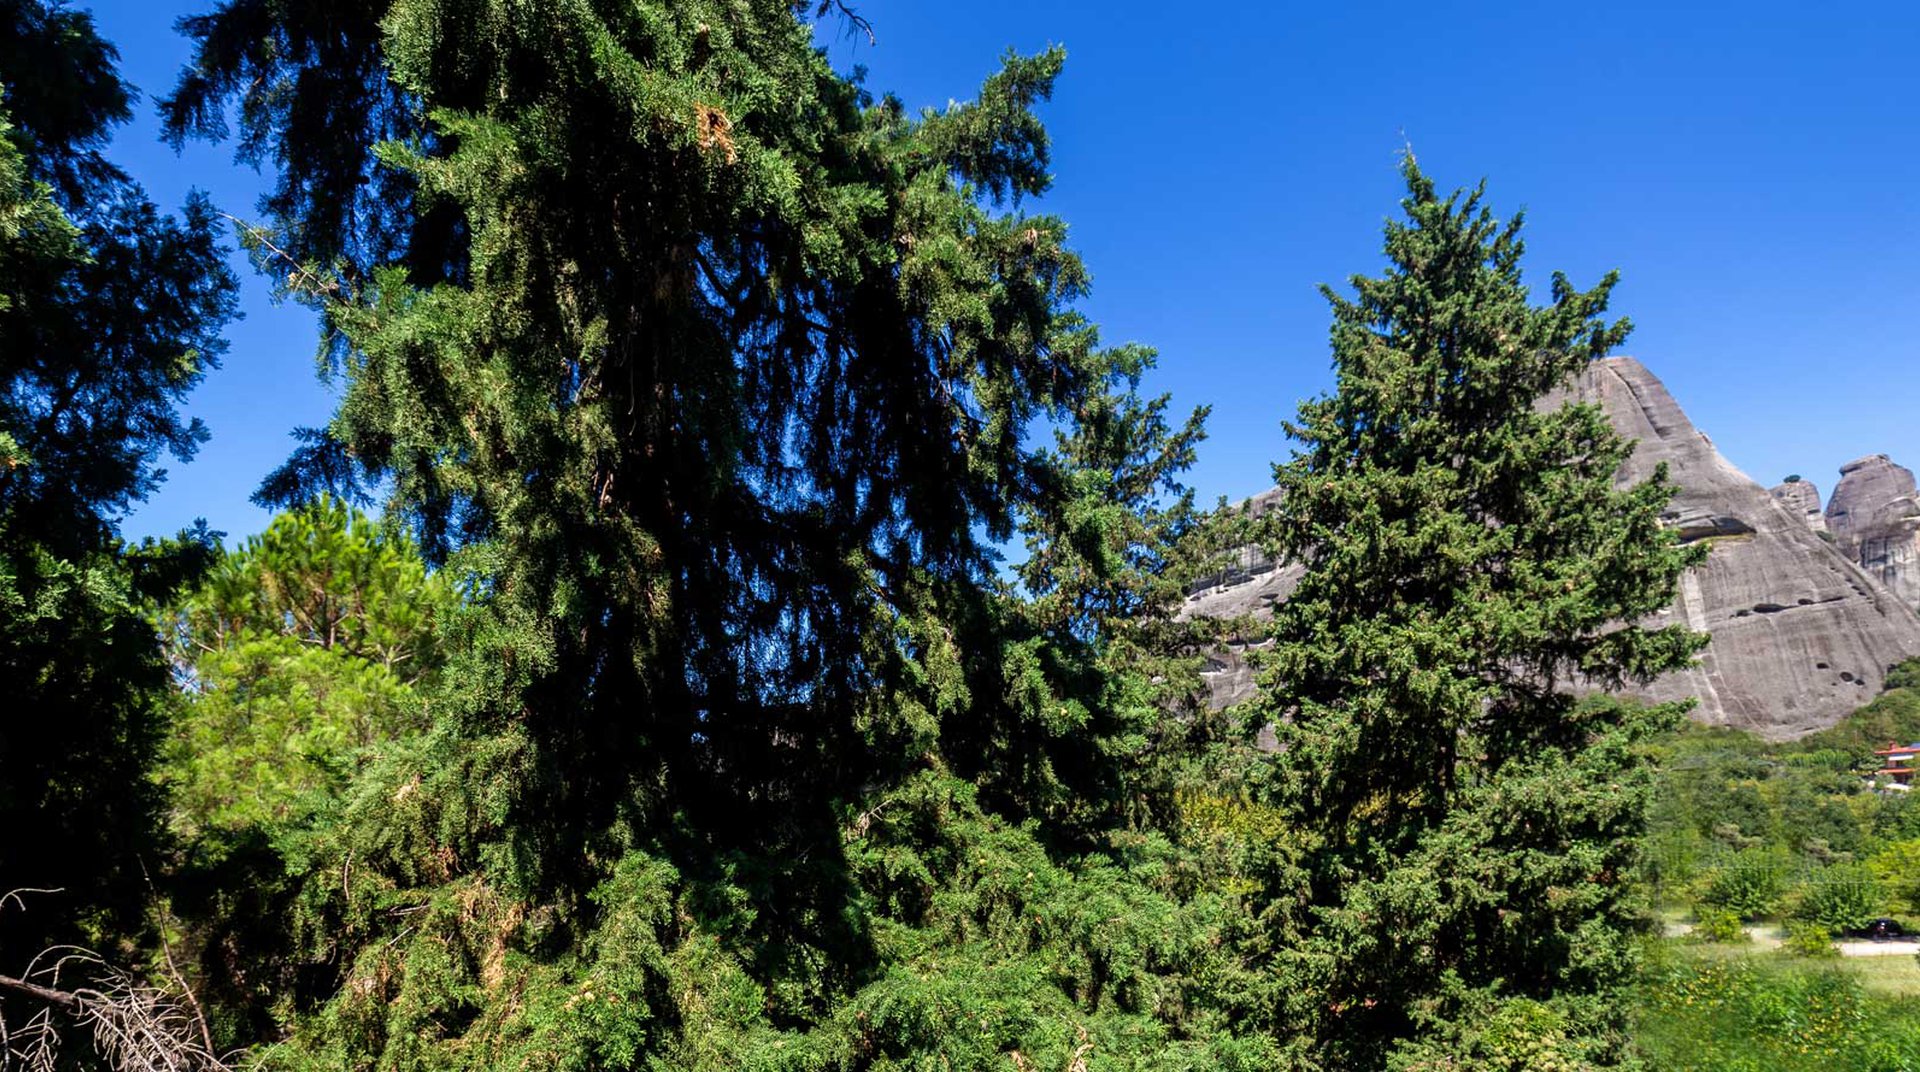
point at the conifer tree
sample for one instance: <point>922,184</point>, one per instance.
<point>1465,826</point>
<point>307,645</point>
<point>109,314</point>
<point>716,389</point>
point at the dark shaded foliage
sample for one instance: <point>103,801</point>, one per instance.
<point>109,314</point>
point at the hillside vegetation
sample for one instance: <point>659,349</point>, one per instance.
<point>1789,839</point>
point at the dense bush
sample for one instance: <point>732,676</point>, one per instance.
<point>1841,898</point>
<point>1715,924</point>
<point>1805,938</point>
<point>1749,884</point>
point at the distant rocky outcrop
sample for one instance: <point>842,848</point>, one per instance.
<point>1875,518</point>
<point>1250,584</point>
<point>1801,635</point>
<point>1802,500</point>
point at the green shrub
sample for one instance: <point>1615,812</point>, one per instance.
<point>1716,924</point>
<point>1842,897</point>
<point>1713,1013</point>
<point>1808,939</point>
<point>1904,676</point>
<point>1749,884</point>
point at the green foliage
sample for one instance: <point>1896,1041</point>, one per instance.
<point>1516,1035</point>
<point>1740,822</point>
<point>1749,883</point>
<point>1471,830</point>
<point>1823,851</point>
<point>309,644</point>
<point>716,377</point>
<point>1808,938</point>
<point>109,313</point>
<point>1745,1014</point>
<point>1842,898</point>
<point>714,380</point>
<point>1713,923</point>
<point>1894,715</point>
<point>1904,676</point>
<point>1896,868</point>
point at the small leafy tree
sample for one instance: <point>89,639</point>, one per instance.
<point>1806,938</point>
<point>1896,867</point>
<point>1840,898</point>
<point>1713,923</point>
<point>1749,884</point>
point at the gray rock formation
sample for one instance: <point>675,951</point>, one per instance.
<point>1875,519</point>
<point>1800,635</point>
<point>1250,585</point>
<point>1802,500</point>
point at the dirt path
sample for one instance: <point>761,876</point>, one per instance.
<point>1890,948</point>
<point>1769,936</point>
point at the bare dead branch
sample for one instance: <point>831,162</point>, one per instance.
<point>856,23</point>
<point>134,1024</point>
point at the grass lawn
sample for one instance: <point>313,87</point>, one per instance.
<point>1746,1008</point>
<point>1894,975</point>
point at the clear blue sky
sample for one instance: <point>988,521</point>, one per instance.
<point>1748,167</point>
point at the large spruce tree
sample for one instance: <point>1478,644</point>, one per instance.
<point>1466,827</point>
<point>715,377</point>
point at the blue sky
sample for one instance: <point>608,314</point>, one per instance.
<point>1747,167</point>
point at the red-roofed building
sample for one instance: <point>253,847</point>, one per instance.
<point>1897,762</point>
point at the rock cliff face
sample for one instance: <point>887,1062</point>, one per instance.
<point>1801,635</point>
<point>1802,500</point>
<point>1251,584</point>
<point>1875,519</point>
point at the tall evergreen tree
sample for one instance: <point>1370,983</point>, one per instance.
<point>1466,827</point>
<point>716,385</point>
<point>109,314</point>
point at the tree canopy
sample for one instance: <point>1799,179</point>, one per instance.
<point>110,312</point>
<point>312,641</point>
<point>720,390</point>
<point>766,648</point>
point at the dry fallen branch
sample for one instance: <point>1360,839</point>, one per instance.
<point>135,1025</point>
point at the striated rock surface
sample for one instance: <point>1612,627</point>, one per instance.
<point>1800,634</point>
<point>1251,584</point>
<point>1875,519</point>
<point>1802,500</point>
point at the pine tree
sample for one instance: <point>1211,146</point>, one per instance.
<point>303,648</point>
<point>1466,827</point>
<point>109,314</point>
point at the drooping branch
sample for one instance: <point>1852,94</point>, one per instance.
<point>856,23</point>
